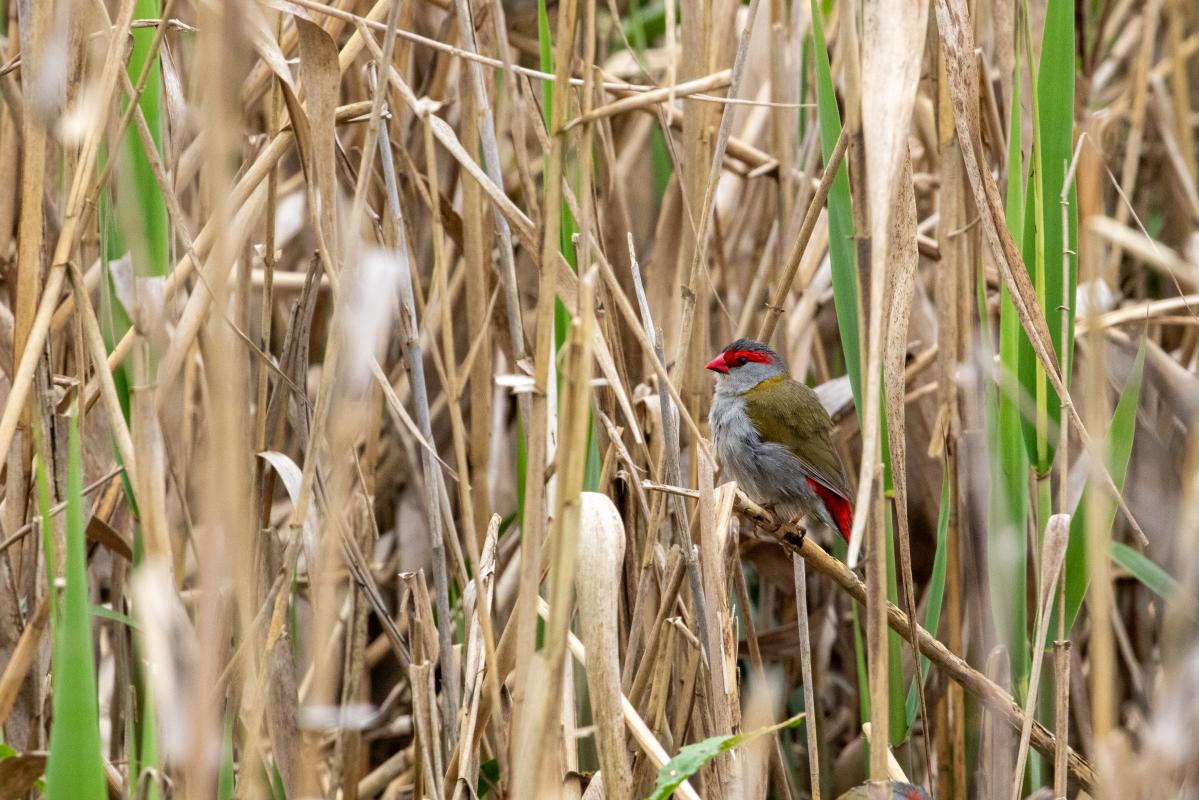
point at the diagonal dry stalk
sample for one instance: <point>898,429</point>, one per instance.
<point>954,667</point>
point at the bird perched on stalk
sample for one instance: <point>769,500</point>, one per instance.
<point>772,437</point>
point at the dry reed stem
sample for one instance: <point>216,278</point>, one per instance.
<point>635,102</point>
<point>901,292</point>
<point>528,756</point>
<point>433,483</point>
<point>805,665</point>
<point>1053,554</point>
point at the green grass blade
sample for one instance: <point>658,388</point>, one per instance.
<point>225,779</point>
<point>103,612</point>
<point>896,703</point>
<point>1008,504</point>
<point>144,212</point>
<point>842,257</point>
<point>139,221</point>
<point>1055,103</point>
<point>859,661</point>
<point>75,768</point>
<point>694,756</point>
<point>936,591</point>
<point>1053,143</point>
<point>1119,451</point>
<point>661,165</point>
<point>1145,570</point>
<point>545,52</point>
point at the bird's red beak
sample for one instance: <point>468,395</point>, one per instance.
<point>717,365</point>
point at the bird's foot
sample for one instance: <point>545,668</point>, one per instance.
<point>796,531</point>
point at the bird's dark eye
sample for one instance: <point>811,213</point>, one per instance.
<point>741,361</point>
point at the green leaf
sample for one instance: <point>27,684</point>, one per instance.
<point>661,165</point>
<point>145,213</point>
<point>842,258</point>
<point>139,220</point>
<point>1053,142</point>
<point>1055,104</point>
<point>489,776</point>
<point>1156,579</point>
<point>104,612</point>
<point>1119,451</point>
<point>75,767</point>
<point>936,591</point>
<point>225,779</point>
<point>897,729</point>
<point>693,756</point>
<point>545,49</point>
<point>1008,503</point>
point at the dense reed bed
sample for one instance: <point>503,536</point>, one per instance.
<point>354,425</point>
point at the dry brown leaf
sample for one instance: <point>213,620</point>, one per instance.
<point>18,774</point>
<point>890,69</point>
<point>320,77</point>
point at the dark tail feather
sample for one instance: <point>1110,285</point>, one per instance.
<point>838,507</point>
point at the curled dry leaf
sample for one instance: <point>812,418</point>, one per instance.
<point>597,582</point>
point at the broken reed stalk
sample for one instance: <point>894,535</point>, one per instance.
<point>805,667</point>
<point>952,666</point>
<point>878,657</point>
<point>597,584</point>
<point>1053,555</point>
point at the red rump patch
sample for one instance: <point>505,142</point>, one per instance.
<point>838,507</point>
<point>733,356</point>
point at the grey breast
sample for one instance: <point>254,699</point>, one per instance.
<point>765,471</point>
<point>738,445</point>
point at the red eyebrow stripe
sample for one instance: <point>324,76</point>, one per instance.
<point>748,355</point>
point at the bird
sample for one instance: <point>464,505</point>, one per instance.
<point>771,435</point>
<point>899,791</point>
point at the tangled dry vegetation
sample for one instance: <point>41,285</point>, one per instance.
<point>354,430</point>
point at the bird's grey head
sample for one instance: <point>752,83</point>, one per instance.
<point>744,364</point>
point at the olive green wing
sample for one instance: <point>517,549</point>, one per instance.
<point>789,413</point>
